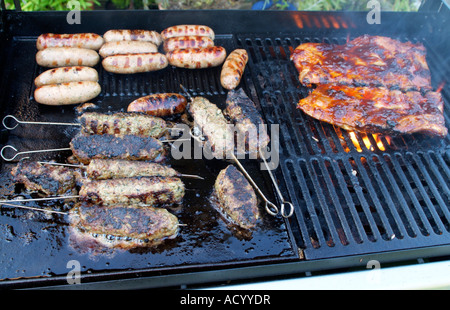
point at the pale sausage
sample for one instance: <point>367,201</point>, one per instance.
<point>67,56</point>
<point>233,68</point>
<point>136,63</point>
<point>67,93</point>
<point>65,75</point>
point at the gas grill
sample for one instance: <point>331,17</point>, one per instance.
<point>357,197</point>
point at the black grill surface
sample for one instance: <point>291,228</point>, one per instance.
<point>355,195</point>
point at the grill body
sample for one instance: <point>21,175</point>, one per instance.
<point>357,197</point>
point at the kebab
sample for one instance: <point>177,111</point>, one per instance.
<point>214,127</point>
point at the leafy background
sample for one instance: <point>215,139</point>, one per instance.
<point>302,5</point>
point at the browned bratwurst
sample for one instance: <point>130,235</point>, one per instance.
<point>159,104</point>
<point>197,58</point>
<point>233,68</point>
<point>135,63</point>
<point>81,40</point>
<point>187,30</point>
<point>133,35</point>
<point>187,42</point>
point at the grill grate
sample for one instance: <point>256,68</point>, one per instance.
<point>354,193</point>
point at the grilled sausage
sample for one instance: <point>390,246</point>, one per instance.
<point>159,104</point>
<point>86,148</point>
<point>187,30</point>
<point>187,42</point>
<point>136,63</point>
<point>81,40</point>
<point>150,191</point>
<point>48,179</point>
<point>66,56</point>
<point>197,58</point>
<point>127,47</point>
<point>133,35</point>
<point>67,93</point>
<point>94,123</point>
<point>103,169</point>
<point>122,226</point>
<point>233,68</point>
<point>66,75</point>
<point>237,198</point>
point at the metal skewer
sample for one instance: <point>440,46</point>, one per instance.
<point>33,123</point>
<point>32,208</point>
<point>192,176</point>
<point>55,150</point>
<point>283,202</point>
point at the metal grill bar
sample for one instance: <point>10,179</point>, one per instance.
<point>354,193</point>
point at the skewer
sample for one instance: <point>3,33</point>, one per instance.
<point>32,208</point>
<point>57,150</point>
<point>192,176</point>
<point>270,207</point>
<point>51,123</point>
<point>283,202</point>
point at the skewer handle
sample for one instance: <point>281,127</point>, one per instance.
<point>32,208</point>
<point>33,123</point>
<point>27,152</point>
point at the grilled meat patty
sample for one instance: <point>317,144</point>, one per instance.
<point>248,121</point>
<point>102,169</point>
<point>94,123</point>
<point>237,198</point>
<point>86,148</point>
<point>211,121</point>
<point>48,179</point>
<point>364,61</point>
<point>377,109</point>
<point>123,226</point>
<point>154,191</point>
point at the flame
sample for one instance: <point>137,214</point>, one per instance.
<point>366,142</point>
<point>440,87</point>
<point>298,21</point>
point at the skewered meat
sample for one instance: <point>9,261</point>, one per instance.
<point>249,123</point>
<point>86,148</point>
<point>211,121</point>
<point>377,110</point>
<point>157,191</point>
<point>122,124</point>
<point>364,61</point>
<point>103,169</point>
<point>237,198</point>
<point>49,179</point>
<point>123,226</point>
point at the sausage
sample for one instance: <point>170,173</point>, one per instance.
<point>187,30</point>
<point>159,104</point>
<point>126,64</point>
<point>197,58</point>
<point>127,47</point>
<point>187,42</point>
<point>81,40</point>
<point>133,35</point>
<point>233,68</point>
<point>67,56</point>
<point>67,93</point>
<point>66,75</point>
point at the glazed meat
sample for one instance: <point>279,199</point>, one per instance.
<point>103,169</point>
<point>213,125</point>
<point>122,124</point>
<point>248,121</point>
<point>86,148</point>
<point>48,179</point>
<point>377,110</point>
<point>364,61</point>
<point>237,198</point>
<point>153,191</point>
<point>123,226</point>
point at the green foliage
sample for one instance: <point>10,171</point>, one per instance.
<point>51,5</point>
<point>355,5</point>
